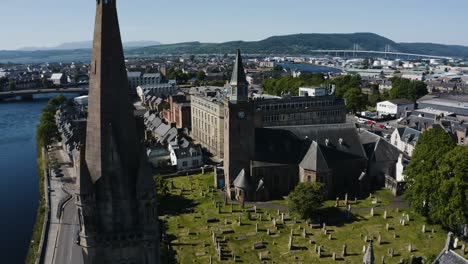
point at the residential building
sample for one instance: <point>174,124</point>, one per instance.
<point>136,79</point>
<point>405,139</point>
<point>179,111</point>
<point>449,102</point>
<point>448,254</point>
<point>395,107</point>
<point>209,106</point>
<point>185,155</point>
<point>59,79</point>
<point>159,90</point>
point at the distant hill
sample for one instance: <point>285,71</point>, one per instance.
<point>303,43</point>
<point>287,45</point>
<point>89,44</point>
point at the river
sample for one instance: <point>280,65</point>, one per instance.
<point>19,193</point>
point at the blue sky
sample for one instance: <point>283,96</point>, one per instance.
<point>51,22</point>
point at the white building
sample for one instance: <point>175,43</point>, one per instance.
<point>405,139</point>
<point>136,79</point>
<point>313,92</point>
<point>81,100</point>
<point>163,89</point>
<point>396,107</point>
<point>58,78</point>
<point>185,155</point>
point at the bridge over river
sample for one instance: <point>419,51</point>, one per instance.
<point>28,94</point>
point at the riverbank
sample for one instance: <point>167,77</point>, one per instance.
<point>43,212</point>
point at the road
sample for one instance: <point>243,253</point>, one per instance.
<point>61,244</point>
<point>67,250</point>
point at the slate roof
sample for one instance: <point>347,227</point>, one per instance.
<point>369,256</point>
<point>401,101</point>
<point>450,257</point>
<point>340,137</point>
<point>241,180</point>
<point>307,145</point>
<point>238,73</point>
<point>378,148</point>
<point>410,135</point>
<point>314,159</point>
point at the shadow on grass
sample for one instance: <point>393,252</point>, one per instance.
<point>336,217</point>
<point>175,205</point>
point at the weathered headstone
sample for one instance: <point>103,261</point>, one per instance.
<point>330,237</point>
<point>255,208</point>
<point>391,252</point>
<point>385,214</point>
<point>423,229</point>
<point>365,239</point>
<point>239,220</point>
<point>290,244</point>
<point>372,211</point>
<point>410,248</point>
<point>334,256</point>
<point>394,235</point>
<point>337,201</point>
<point>319,251</point>
<point>274,222</point>
<point>383,260</point>
<point>260,218</point>
<point>268,231</point>
<point>387,227</point>
<point>407,217</point>
<point>455,243</point>
<point>304,233</point>
<point>343,252</point>
<point>282,217</point>
<point>256,228</point>
<point>379,239</point>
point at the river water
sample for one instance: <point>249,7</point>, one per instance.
<point>19,191</point>
<point>19,194</point>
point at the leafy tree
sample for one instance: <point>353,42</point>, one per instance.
<point>421,173</point>
<point>448,204</point>
<point>343,84</point>
<point>162,188</point>
<point>288,84</point>
<point>355,100</point>
<point>12,85</point>
<point>409,89</point>
<point>201,76</point>
<point>306,199</point>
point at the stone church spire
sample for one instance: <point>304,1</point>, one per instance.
<point>117,214</point>
<point>239,84</point>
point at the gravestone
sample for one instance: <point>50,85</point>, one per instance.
<point>319,251</point>
<point>337,201</point>
<point>387,227</point>
<point>365,239</point>
<point>268,231</point>
<point>364,249</point>
<point>379,239</point>
<point>330,237</point>
<point>256,227</point>
<point>372,211</point>
<point>410,248</point>
<point>304,234</point>
<point>391,252</point>
<point>334,256</point>
<point>423,229</point>
<point>282,218</point>
<point>385,214</point>
<point>455,243</point>
<point>290,244</point>
<point>343,252</point>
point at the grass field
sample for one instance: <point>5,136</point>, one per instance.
<point>187,211</point>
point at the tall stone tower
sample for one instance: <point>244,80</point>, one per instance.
<point>239,128</point>
<point>116,199</point>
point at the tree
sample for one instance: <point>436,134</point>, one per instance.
<point>355,100</point>
<point>421,173</point>
<point>306,199</point>
<point>448,204</point>
<point>201,76</point>
<point>162,188</point>
<point>409,89</point>
<point>12,85</point>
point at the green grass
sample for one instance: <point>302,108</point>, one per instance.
<point>40,217</point>
<point>190,233</point>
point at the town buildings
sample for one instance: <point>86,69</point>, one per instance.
<point>136,79</point>
<point>179,111</point>
<point>449,102</point>
<point>208,107</point>
<point>395,107</point>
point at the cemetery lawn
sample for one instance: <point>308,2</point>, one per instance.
<point>186,227</point>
